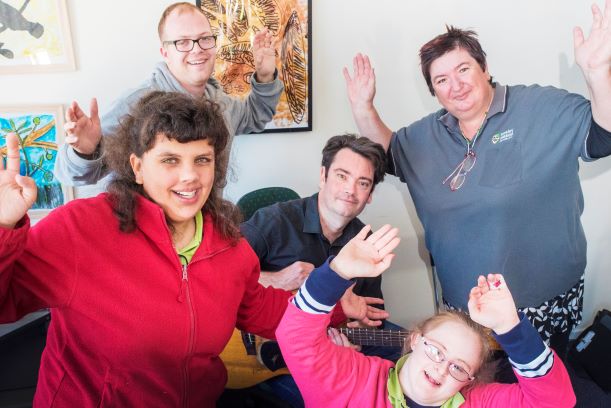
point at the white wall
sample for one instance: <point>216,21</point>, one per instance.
<point>527,42</point>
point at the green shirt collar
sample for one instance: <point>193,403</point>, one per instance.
<point>395,393</point>
<point>187,252</point>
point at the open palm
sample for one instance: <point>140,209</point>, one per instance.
<point>264,55</point>
<point>17,193</point>
<point>366,257</point>
<point>361,86</point>
<point>594,52</point>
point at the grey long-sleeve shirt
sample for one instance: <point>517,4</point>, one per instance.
<point>241,116</point>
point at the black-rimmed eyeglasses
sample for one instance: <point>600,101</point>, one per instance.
<point>186,44</point>
<point>456,371</point>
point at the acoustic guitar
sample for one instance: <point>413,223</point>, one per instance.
<point>242,355</point>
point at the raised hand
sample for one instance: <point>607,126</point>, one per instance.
<point>17,193</point>
<point>361,86</point>
<point>363,256</point>
<point>289,278</point>
<point>491,304</point>
<point>594,53</point>
<point>264,55</point>
<point>361,309</point>
<point>83,132</point>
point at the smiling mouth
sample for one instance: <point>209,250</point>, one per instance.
<point>432,380</point>
<point>348,200</point>
<point>200,62</point>
<point>185,194</point>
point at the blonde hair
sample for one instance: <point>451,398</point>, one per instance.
<point>181,5</point>
<point>485,371</point>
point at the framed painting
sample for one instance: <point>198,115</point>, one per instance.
<point>35,37</point>
<point>40,132</point>
<point>235,22</point>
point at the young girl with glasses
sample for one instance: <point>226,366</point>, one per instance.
<point>447,362</point>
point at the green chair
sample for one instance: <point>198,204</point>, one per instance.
<point>251,202</point>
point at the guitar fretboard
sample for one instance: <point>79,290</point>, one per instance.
<point>359,336</point>
<point>372,337</point>
<point>250,344</point>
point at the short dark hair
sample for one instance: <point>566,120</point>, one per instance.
<point>444,43</point>
<point>372,151</point>
<point>179,117</point>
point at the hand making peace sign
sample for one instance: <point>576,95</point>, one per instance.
<point>17,193</point>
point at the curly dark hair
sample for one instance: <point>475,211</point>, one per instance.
<point>178,117</point>
<point>372,151</point>
<point>452,39</point>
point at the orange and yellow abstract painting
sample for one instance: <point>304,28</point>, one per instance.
<point>235,22</point>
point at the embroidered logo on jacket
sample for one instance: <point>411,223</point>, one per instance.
<point>502,136</point>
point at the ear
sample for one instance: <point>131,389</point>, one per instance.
<point>369,198</point>
<point>414,338</point>
<point>136,164</point>
<point>164,52</point>
<point>323,178</point>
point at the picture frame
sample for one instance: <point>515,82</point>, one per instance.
<point>40,131</point>
<point>235,22</point>
<point>35,37</point>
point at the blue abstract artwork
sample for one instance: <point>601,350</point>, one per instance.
<point>38,143</point>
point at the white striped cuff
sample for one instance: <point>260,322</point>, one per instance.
<point>304,301</point>
<point>536,368</point>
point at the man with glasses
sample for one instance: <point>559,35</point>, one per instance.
<point>188,48</point>
<point>494,174</point>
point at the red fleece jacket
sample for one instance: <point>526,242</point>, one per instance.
<point>126,329</point>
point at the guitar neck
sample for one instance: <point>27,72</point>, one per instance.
<point>244,369</point>
<point>373,337</point>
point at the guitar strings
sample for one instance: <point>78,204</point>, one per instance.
<point>361,335</point>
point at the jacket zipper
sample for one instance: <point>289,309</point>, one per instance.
<point>184,293</point>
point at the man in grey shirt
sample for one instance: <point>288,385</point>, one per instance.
<point>188,48</point>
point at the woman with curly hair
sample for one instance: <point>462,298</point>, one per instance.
<point>145,283</point>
